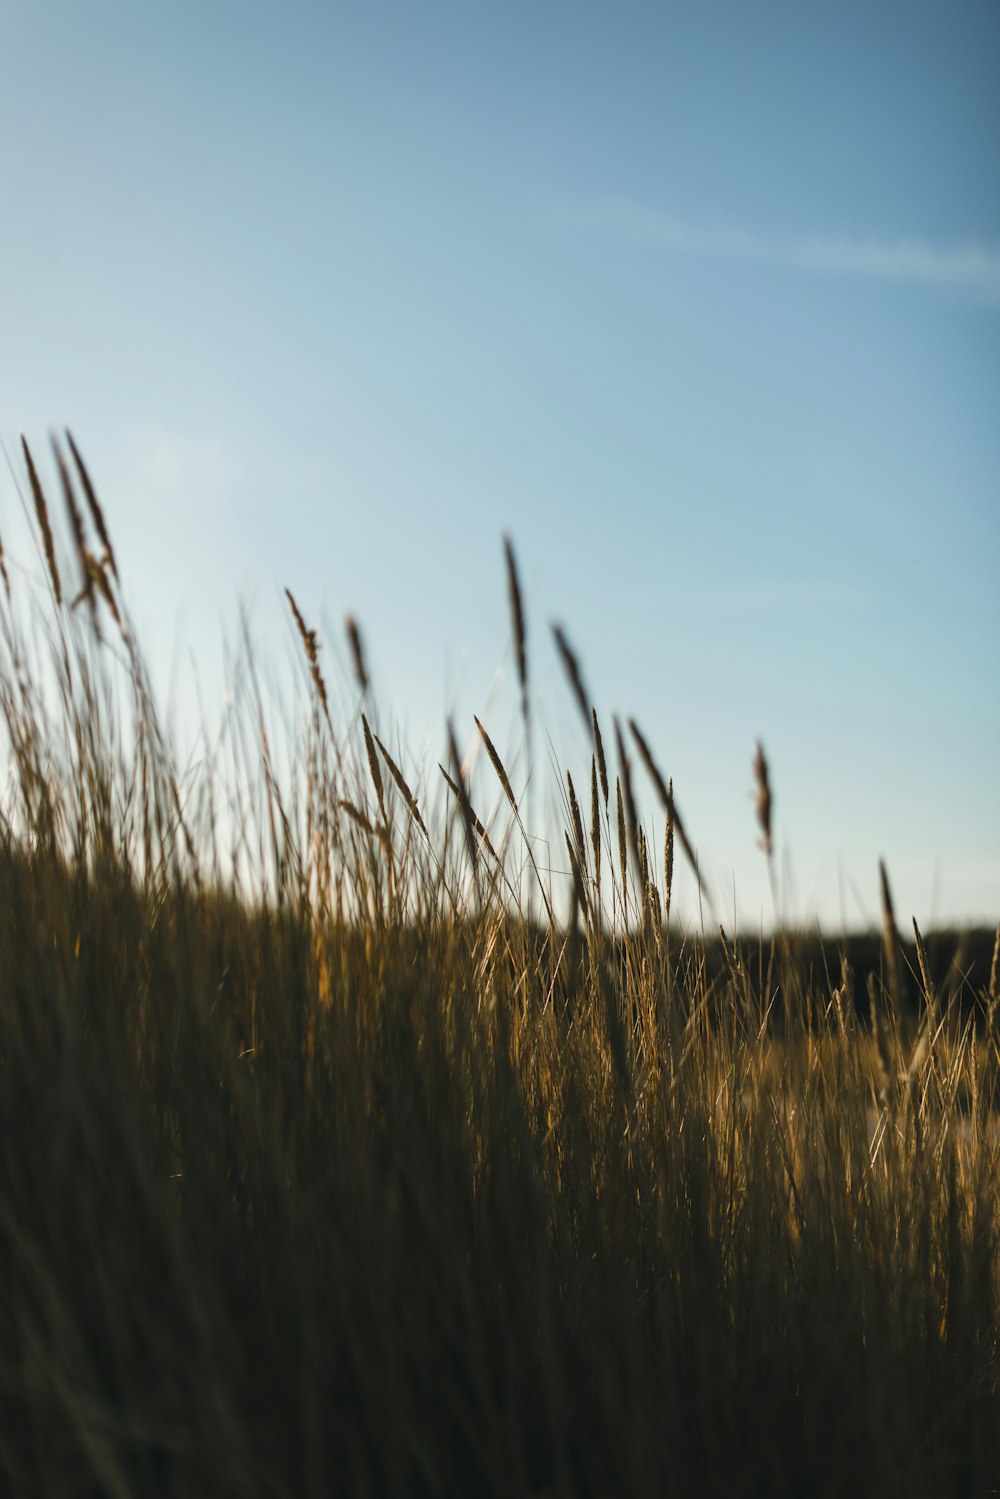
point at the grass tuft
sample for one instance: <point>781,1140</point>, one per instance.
<point>333,1161</point>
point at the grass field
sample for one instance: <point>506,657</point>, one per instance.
<point>368,1171</point>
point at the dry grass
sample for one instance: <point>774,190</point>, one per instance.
<point>352,1176</point>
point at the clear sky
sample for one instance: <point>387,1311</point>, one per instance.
<point>700,303</point>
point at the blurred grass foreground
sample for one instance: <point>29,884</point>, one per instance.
<point>337,1156</point>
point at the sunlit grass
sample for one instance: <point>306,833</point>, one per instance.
<point>372,1171</point>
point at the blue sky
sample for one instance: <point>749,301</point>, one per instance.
<point>701,304</point>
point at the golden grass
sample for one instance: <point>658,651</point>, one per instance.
<point>340,1163</point>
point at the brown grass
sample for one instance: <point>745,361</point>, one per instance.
<point>333,1161</point>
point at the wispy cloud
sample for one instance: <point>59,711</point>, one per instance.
<point>970,269</point>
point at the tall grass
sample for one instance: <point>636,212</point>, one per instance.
<point>366,1172</point>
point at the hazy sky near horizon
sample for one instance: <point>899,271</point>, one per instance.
<point>701,304</point>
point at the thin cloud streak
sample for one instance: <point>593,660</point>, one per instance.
<point>971,269</point>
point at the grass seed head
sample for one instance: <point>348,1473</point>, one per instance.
<point>925,972</point>
<point>364,823</point>
<point>44,526</point>
<point>668,853</point>
<point>631,816</point>
<point>470,821</point>
<point>373,765</point>
<point>574,808</point>
<point>72,509</point>
<point>310,644</point>
<point>595,820</point>
<point>403,788</point>
<point>93,505</point>
<point>498,766</point>
<point>764,798</point>
<point>890,937</point>
<point>666,796</point>
<point>622,844</point>
<point>599,750</point>
<point>517,623</point>
<point>571,665</point>
<point>357,649</point>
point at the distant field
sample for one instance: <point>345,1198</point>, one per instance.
<point>377,1175</point>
